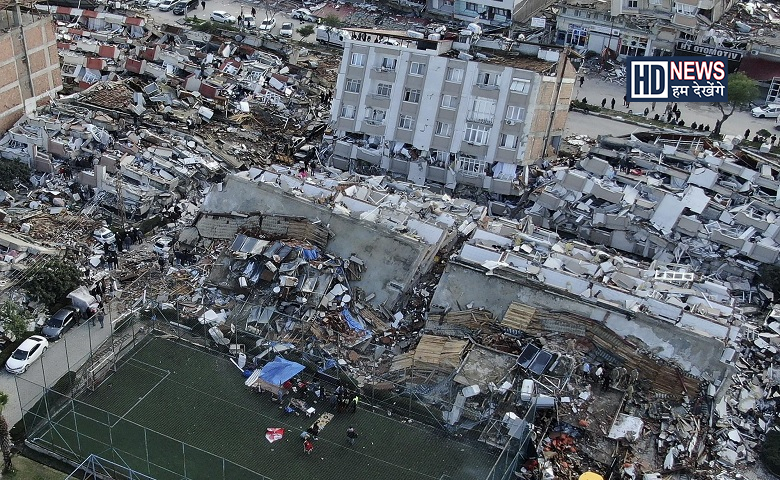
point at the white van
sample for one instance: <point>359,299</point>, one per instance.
<point>332,36</point>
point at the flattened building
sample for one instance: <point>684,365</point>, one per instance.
<point>425,108</point>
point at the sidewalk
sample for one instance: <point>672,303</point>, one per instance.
<point>595,89</point>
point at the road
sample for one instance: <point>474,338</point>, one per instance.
<point>64,355</point>
<point>595,89</point>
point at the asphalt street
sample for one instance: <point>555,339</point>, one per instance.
<point>66,354</point>
<point>595,89</point>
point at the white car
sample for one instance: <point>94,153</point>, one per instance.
<point>104,235</point>
<point>249,22</point>
<point>767,111</point>
<point>167,5</point>
<point>303,14</point>
<point>163,245</point>
<point>267,25</point>
<point>221,16</point>
<point>153,3</point>
<point>28,352</point>
<point>286,30</point>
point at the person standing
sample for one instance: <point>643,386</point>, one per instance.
<point>653,107</point>
<point>625,101</point>
<point>101,317</point>
<point>203,4</point>
<point>613,104</point>
<point>354,403</point>
<point>582,80</point>
<point>254,12</point>
<point>604,102</point>
<point>747,134</point>
<point>351,435</point>
<point>308,447</point>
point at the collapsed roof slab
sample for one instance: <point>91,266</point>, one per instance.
<point>393,261</point>
<point>461,285</point>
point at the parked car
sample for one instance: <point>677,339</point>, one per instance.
<point>221,16</point>
<point>167,5</point>
<point>104,235</point>
<point>286,30</point>
<point>267,25</point>
<point>767,111</point>
<point>249,22</point>
<point>60,322</point>
<point>26,354</point>
<point>303,14</point>
<point>163,245</point>
<point>185,6</point>
<point>153,3</point>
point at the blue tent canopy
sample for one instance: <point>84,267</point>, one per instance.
<point>280,370</point>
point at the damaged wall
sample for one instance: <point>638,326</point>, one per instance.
<point>461,285</point>
<point>393,262</point>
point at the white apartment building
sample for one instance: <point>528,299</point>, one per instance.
<point>424,109</point>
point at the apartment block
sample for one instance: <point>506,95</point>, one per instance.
<point>428,110</point>
<point>29,64</point>
<point>489,12</point>
<point>637,27</point>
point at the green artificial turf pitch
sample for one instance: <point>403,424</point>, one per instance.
<point>172,411</point>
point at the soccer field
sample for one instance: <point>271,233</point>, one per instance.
<point>172,411</point>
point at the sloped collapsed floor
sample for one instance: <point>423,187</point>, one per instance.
<point>167,393</point>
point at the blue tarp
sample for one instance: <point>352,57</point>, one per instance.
<point>310,253</point>
<point>353,324</point>
<point>280,370</point>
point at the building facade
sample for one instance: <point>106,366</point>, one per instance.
<point>29,65</point>
<point>636,27</point>
<point>435,113</point>
<point>487,12</point>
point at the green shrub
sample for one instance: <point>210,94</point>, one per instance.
<point>585,106</point>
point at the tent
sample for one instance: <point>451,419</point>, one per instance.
<point>273,375</point>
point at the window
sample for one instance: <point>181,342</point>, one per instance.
<point>412,95</point>
<point>443,129</point>
<point>358,60</point>
<point>520,86</point>
<point>482,110</point>
<point>449,101</point>
<point>353,85</point>
<point>488,79</point>
<point>507,141</point>
<point>655,2</point>
<point>476,133</point>
<point>514,113</point>
<point>417,69</point>
<point>633,4</point>
<point>389,63</point>
<point>348,111</point>
<point>454,75</point>
<point>684,9</point>
<point>405,122</point>
<point>384,89</point>
<point>687,36</point>
<point>376,116</point>
<point>471,7</point>
<point>578,13</point>
<point>470,164</point>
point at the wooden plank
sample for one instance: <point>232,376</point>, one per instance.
<point>518,316</point>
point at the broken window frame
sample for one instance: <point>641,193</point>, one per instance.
<point>353,85</point>
<point>488,79</point>
<point>508,141</point>
<point>384,89</point>
<point>443,129</point>
<point>344,111</point>
<point>476,133</point>
<point>520,85</point>
<point>454,75</point>
<point>685,9</point>
<point>389,64</point>
<point>376,116</point>
<point>470,164</point>
<point>357,60</point>
<point>449,102</point>
<point>405,122</point>
<point>412,95</point>
<point>417,69</point>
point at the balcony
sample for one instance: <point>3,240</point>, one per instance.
<point>374,123</point>
<point>382,69</point>
<point>487,86</point>
<point>481,118</point>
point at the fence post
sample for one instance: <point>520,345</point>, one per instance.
<point>75,422</point>
<point>184,459</point>
<point>146,447</point>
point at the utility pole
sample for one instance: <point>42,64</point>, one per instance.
<point>559,74</point>
<point>120,202</point>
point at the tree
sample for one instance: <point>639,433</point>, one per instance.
<point>14,318</point>
<point>5,435</point>
<point>331,22</point>
<point>52,280</point>
<point>741,90</point>
<point>12,171</point>
<point>306,30</point>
